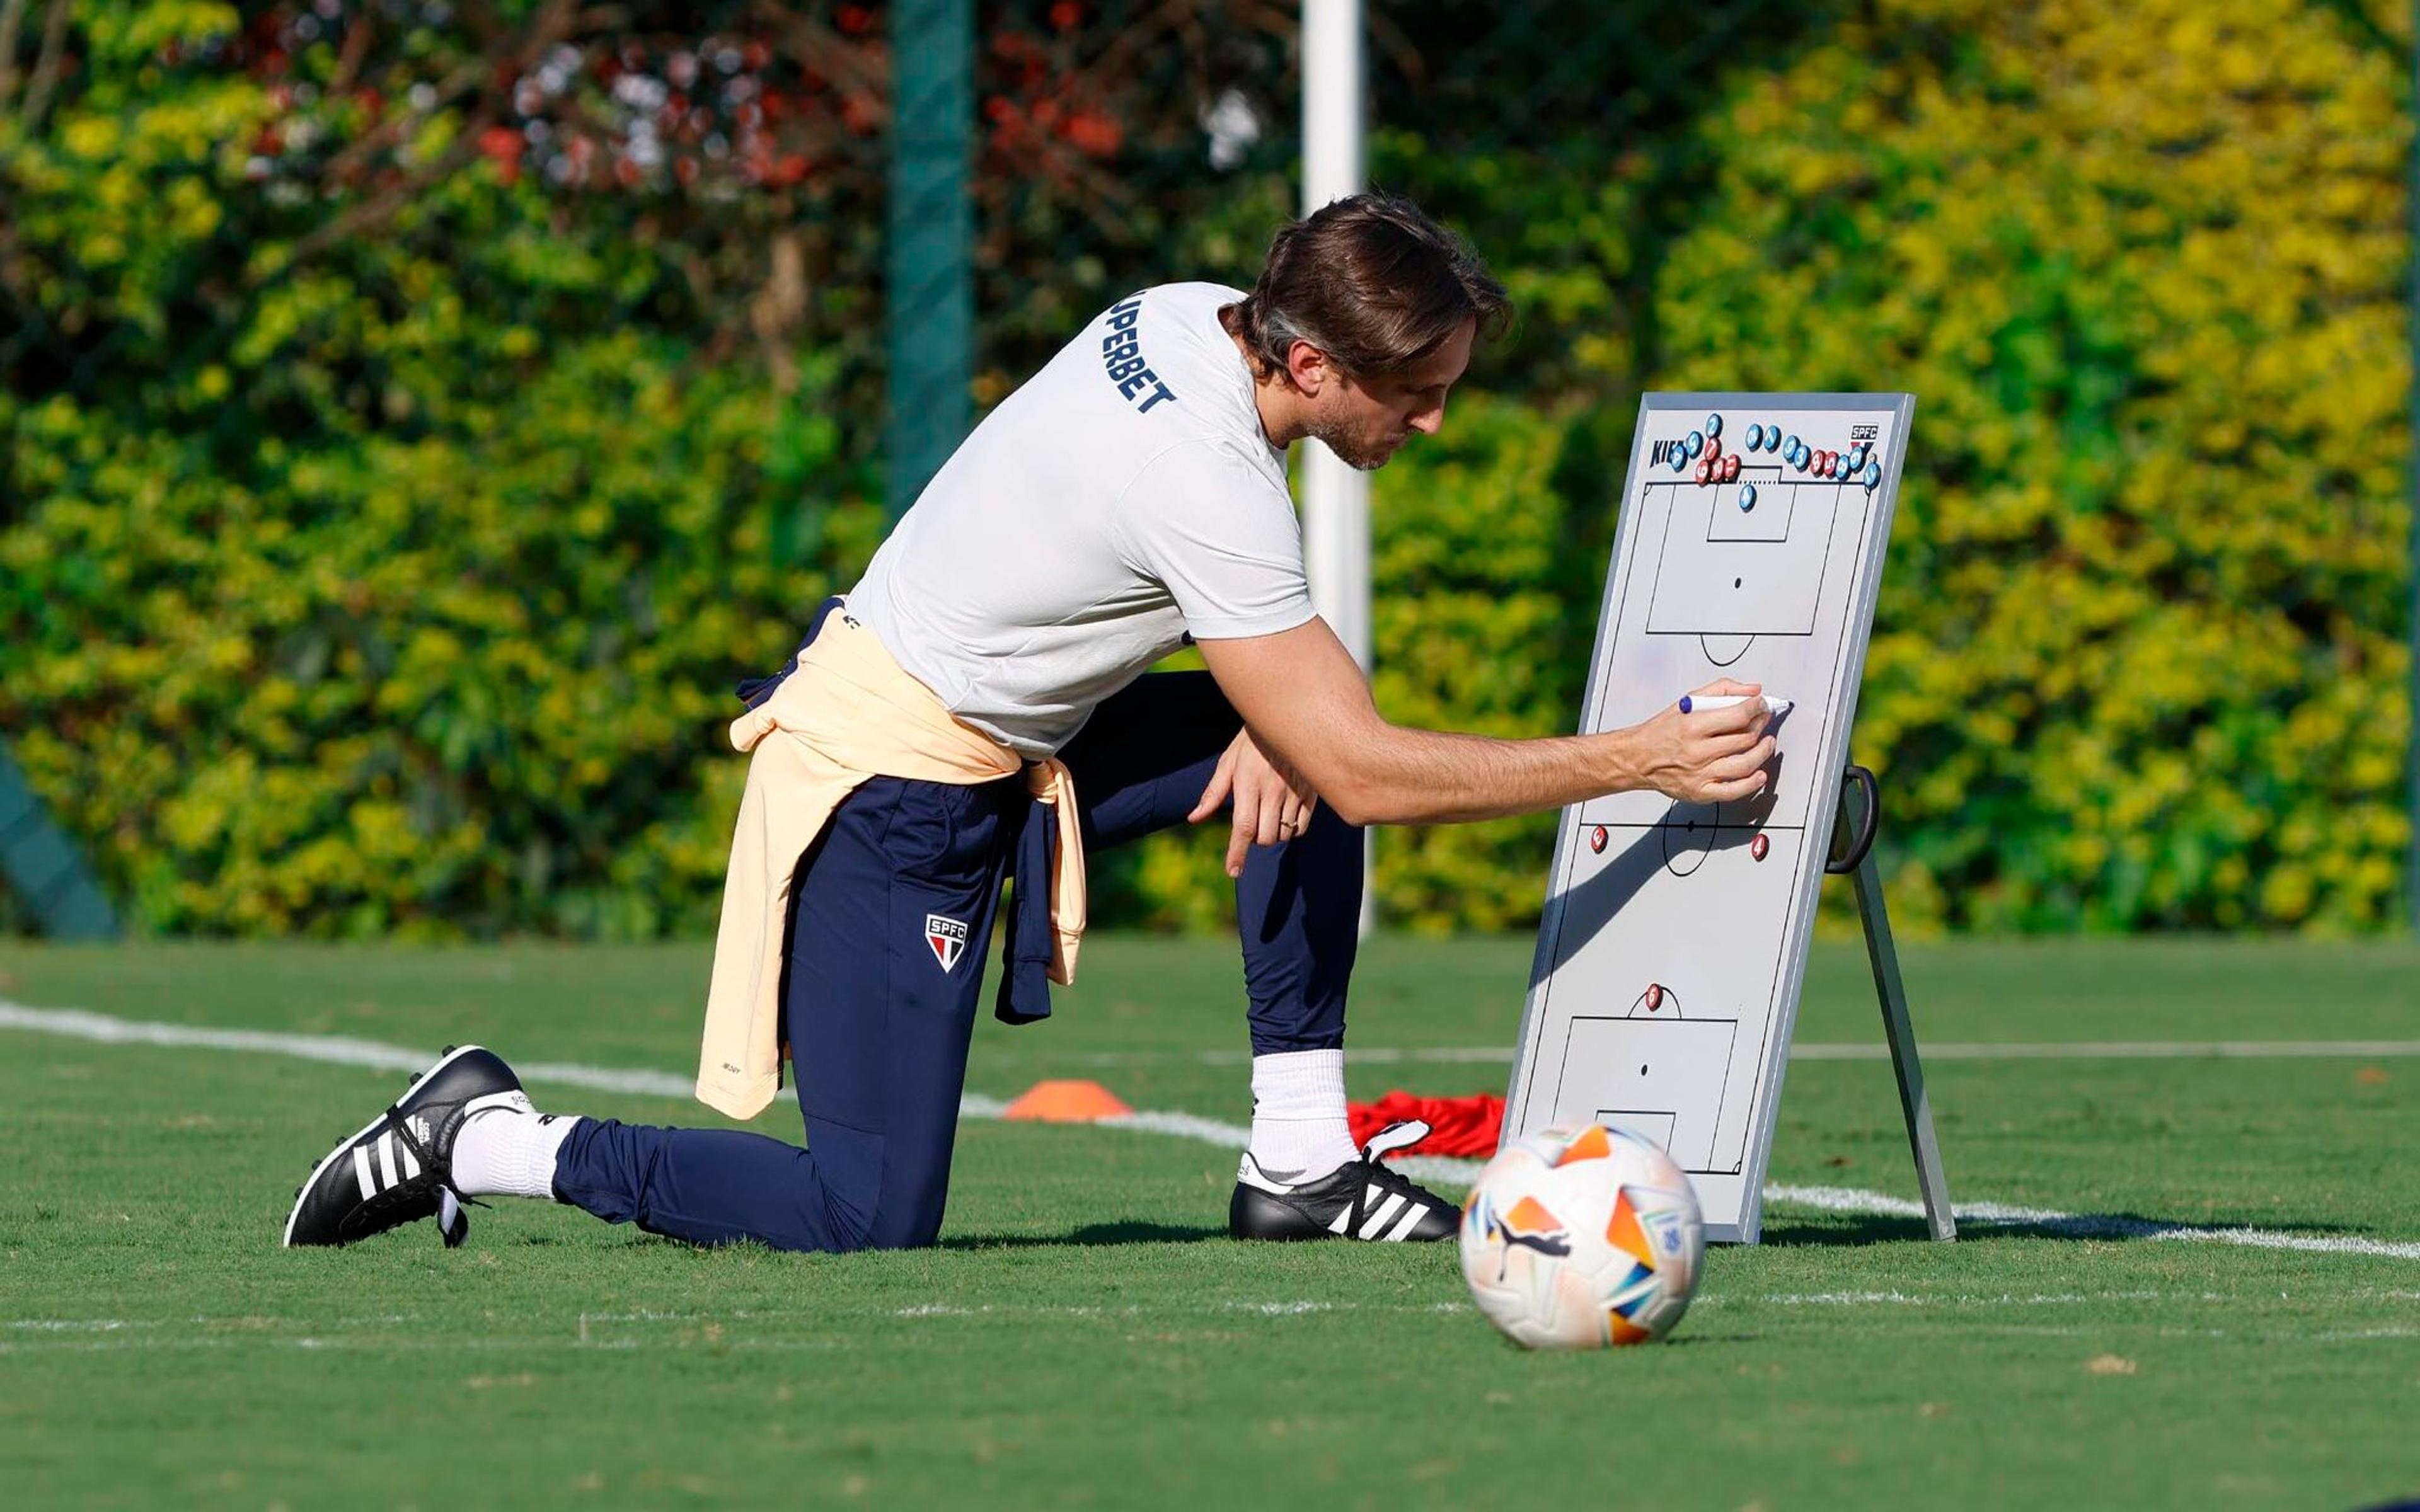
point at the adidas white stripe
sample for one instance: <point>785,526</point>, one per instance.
<point>386,1158</point>
<point>1386,1213</point>
<point>361,1172</point>
<point>1411,1221</point>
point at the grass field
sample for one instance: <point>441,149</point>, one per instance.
<point>1087,1337</point>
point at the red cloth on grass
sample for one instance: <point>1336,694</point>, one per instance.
<point>1457,1125</point>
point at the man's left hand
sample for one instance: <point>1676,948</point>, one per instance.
<point>1273,803</point>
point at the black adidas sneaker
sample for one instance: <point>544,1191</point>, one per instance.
<point>1362,1198</point>
<point>399,1168</point>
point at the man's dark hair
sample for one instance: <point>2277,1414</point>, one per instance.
<point>1371,281</point>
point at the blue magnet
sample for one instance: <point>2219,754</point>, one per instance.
<point>1747,496</point>
<point>1873,474</point>
<point>1773,438</point>
<point>1857,460</point>
<point>1713,424</point>
<point>1680,456</point>
<point>1756,437</point>
<point>1696,442</point>
<point>1793,446</point>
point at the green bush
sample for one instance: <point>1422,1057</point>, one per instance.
<point>388,584</point>
<point>2139,658</point>
<point>475,680</point>
<point>381,524</point>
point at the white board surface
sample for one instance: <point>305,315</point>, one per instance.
<point>1675,936</point>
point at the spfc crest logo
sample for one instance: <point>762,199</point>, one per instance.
<point>948,938</point>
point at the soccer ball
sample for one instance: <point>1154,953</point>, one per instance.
<point>1581,1236</point>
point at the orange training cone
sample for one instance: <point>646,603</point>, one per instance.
<point>1067,1102</point>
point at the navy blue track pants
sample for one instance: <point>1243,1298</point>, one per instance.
<point>878,1026</point>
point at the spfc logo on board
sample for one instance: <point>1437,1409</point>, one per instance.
<point>948,938</point>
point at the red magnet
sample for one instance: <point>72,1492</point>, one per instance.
<point>1757,847</point>
<point>1654,996</point>
<point>1597,838</point>
<point>1731,468</point>
<point>1714,447</point>
<point>1705,468</point>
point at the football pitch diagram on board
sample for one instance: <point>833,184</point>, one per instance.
<point>1675,936</point>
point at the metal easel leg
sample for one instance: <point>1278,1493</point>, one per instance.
<point>1930,1177</point>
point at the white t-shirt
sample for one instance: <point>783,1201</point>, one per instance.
<point>1125,498</point>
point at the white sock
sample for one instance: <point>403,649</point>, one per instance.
<point>508,1152</point>
<point>1299,1131</point>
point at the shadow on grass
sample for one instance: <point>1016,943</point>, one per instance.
<point>1846,1232</point>
<point>1130,1232</point>
<point>1868,1229</point>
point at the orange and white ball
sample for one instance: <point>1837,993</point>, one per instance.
<point>1582,1236</point>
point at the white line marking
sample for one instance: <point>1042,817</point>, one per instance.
<point>1181,1126</point>
<point>1908,1298</point>
<point>341,1050</point>
<point>2372,1334</point>
<point>1827,1050</point>
<point>2087,1225</point>
<point>2131,1050</point>
<point>56,1333</point>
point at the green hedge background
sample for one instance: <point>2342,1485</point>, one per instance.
<point>383,520</point>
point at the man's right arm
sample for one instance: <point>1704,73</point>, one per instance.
<point>1300,692</point>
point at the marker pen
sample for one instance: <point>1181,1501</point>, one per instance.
<point>1697,703</point>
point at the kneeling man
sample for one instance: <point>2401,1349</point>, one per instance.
<point>976,707</point>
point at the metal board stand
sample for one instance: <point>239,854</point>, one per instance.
<point>1856,860</point>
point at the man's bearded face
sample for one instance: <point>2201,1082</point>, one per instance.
<point>1365,435</point>
<point>1367,420</point>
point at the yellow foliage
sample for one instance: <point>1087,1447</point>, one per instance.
<point>2137,660</point>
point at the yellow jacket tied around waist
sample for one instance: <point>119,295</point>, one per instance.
<point>847,714</point>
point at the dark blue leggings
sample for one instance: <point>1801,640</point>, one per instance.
<point>878,1024</point>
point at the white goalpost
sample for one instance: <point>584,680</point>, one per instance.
<point>1335,497</point>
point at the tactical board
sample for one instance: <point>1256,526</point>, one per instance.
<point>1675,936</point>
